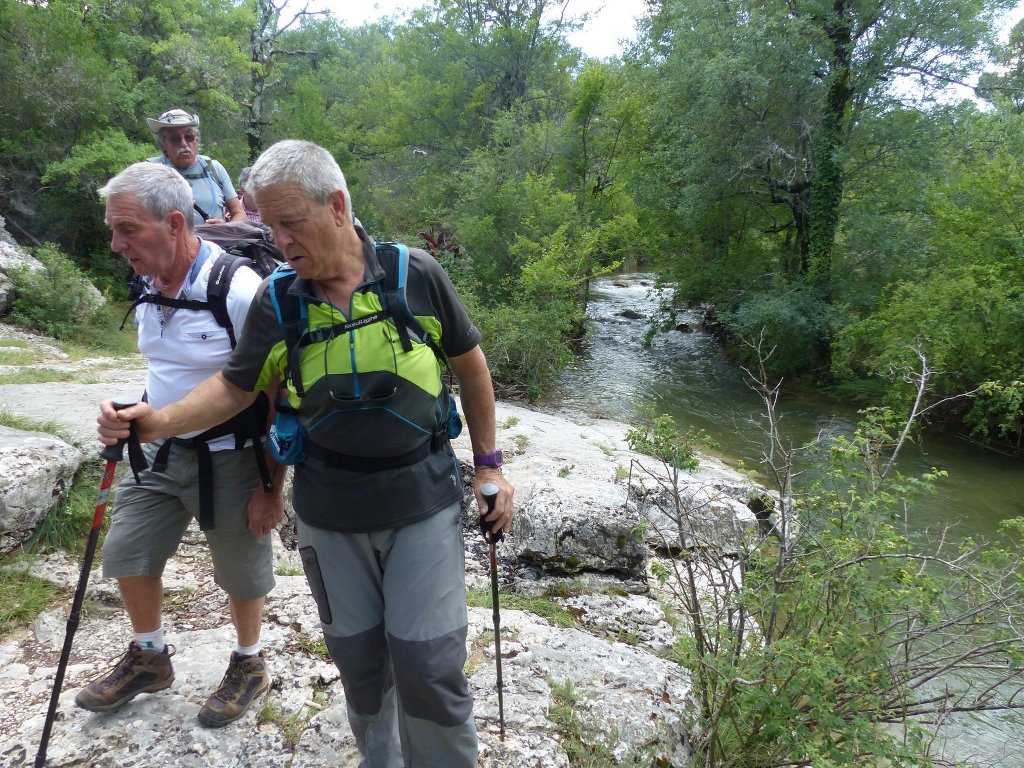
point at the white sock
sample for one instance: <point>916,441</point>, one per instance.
<point>151,641</point>
<point>248,650</point>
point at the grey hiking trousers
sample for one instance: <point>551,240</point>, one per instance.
<point>393,612</point>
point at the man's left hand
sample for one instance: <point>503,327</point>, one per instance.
<point>266,510</point>
<point>499,518</point>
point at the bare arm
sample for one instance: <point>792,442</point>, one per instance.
<point>477,395</point>
<point>211,402</point>
<point>233,210</point>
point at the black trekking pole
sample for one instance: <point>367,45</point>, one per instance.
<point>113,454</point>
<point>490,494</point>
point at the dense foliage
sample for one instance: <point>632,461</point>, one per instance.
<point>789,163</point>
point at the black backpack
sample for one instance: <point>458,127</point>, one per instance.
<point>245,244</point>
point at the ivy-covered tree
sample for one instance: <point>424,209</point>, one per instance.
<point>755,116</point>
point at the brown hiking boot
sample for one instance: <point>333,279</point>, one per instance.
<point>136,672</point>
<point>245,679</point>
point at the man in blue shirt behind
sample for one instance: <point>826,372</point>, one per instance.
<point>177,134</point>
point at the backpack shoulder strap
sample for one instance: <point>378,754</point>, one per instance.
<point>293,317</point>
<point>223,270</point>
<point>216,303</point>
<point>163,301</point>
<point>286,307</point>
<point>394,258</point>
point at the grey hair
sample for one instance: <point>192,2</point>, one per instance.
<point>243,176</point>
<point>160,189</point>
<point>304,163</point>
<point>162,134</point>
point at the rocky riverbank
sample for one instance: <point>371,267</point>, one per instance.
<point>584,538</point>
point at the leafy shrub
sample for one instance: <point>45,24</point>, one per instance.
<point>659,436</point>
<point>526,340</point>
<point>54,300</point>
<point>791,322</point>
<point>998,409</point>
<point>836,640</point>
<point>525,350</point>
<point>969,323</point>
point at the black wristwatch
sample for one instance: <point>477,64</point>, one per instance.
<point>494,460</point>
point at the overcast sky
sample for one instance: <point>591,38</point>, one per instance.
<point>612,19</point>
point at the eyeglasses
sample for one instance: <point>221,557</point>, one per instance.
<point>174,138</point>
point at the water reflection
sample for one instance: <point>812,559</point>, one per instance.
<point>685,374</point>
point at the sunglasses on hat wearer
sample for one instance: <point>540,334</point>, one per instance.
<point>177,138</point>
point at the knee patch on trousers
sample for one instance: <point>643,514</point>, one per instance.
<point>430,678</point>
<point>365,672</point>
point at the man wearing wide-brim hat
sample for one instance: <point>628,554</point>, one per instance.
<point>177,135</point>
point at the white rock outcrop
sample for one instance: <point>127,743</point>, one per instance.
<point>36,469</point>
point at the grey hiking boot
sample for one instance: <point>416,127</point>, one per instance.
<point>245,680</point>
<point>136,672</point>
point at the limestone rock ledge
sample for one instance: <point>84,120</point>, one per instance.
<point>36,469</point>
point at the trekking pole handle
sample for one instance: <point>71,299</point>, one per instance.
<point>116,452</point>
<point>490,494</point>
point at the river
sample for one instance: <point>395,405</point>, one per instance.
<point>686,375</point>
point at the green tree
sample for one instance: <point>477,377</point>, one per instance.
<point>73,183</point>
<point>958,302</point>
<point>756,116</point>
<point>1004,88</point>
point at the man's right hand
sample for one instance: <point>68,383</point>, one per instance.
<point>114,425</point>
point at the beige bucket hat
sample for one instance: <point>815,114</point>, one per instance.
<point>172,118</point>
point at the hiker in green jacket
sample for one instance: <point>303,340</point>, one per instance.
<point>377,495</point>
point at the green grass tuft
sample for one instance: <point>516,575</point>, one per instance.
<point>22,596</point>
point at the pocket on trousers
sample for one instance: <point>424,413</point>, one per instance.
<point>315,579</point>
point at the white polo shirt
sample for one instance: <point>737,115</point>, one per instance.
<point>185,347</point>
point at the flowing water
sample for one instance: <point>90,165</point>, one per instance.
<point>686,375</point>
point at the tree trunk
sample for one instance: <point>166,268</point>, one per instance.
<point>261,50</point>
<point>827,149</point>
